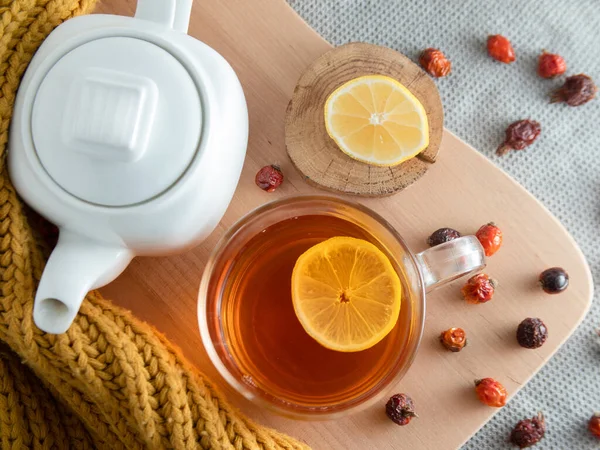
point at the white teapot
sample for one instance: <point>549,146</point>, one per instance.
<point>130,136</point>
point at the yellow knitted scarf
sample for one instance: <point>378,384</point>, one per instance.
<point>111,381</point>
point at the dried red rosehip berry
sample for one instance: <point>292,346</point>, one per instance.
<point>577,90</point>
<point>442,235</point>
<point>454,339</point>
<point>479,289</point>
<point>490,392</point>
<point>500,49</point>
<point>532,333</point>
<point>551,65</point>
<point>554,280</point>
<point>519,134</point>
<point>528,432</point>
<point>435,62</point>
<point>490,237</point>
<point>594,425</point>
<point>269,178</point>
<point>400,409</point>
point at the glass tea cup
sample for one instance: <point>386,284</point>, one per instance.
<point>249,328</point>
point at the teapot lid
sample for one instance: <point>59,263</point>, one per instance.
<point>116,121</point>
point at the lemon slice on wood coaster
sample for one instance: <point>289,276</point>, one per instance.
<point>377,120</point>
<point>346,294</point>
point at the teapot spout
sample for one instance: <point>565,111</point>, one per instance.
<point>76,266</point>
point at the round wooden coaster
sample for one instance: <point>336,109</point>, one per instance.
<point>318,157</point>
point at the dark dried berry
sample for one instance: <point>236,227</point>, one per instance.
<point>269,178</point>
<point>400,409</point>
<point>554,280</point>
<point>594,425</point>
<point>454,339</point>
<point>435,62</point>
<point>519,134</point>
<point>528,432</point>
<point>551,65</point>
<point>442,235</point>
<point>500,49</point>
<point>577,90</point>
<point>532,333</point>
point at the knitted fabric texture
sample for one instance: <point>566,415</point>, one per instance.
<point>111,381</point>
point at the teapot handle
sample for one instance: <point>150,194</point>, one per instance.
<point>76,266</point>
<point>174,14</point>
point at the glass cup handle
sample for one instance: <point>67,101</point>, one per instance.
<point>447,262</point>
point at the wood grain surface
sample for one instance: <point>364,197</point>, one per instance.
<point>270,46</point>
<point>318,157</point>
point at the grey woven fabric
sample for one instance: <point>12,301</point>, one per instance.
<point>481,97</point>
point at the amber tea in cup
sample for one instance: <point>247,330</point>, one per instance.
<point>251,331</point>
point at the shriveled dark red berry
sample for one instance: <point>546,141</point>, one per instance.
<point>454,339</point>
<point>500,49</point>
<point>551,65</point>
<point>435,62</point>
<point>519,134</point>
<point>269,178</point>
<point>400,409</point>
<point>554,280</point>
<point>528,432</point>
<point>532,333</point>
<point>442,235</point>
<point>594,425</point>
<point>577,90</point>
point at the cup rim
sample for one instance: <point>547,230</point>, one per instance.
<point>240,388</point>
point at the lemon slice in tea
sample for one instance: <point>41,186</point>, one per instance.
<point>377,120</point>
<point>346,294</point>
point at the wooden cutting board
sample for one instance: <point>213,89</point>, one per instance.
<point>269,46</point>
